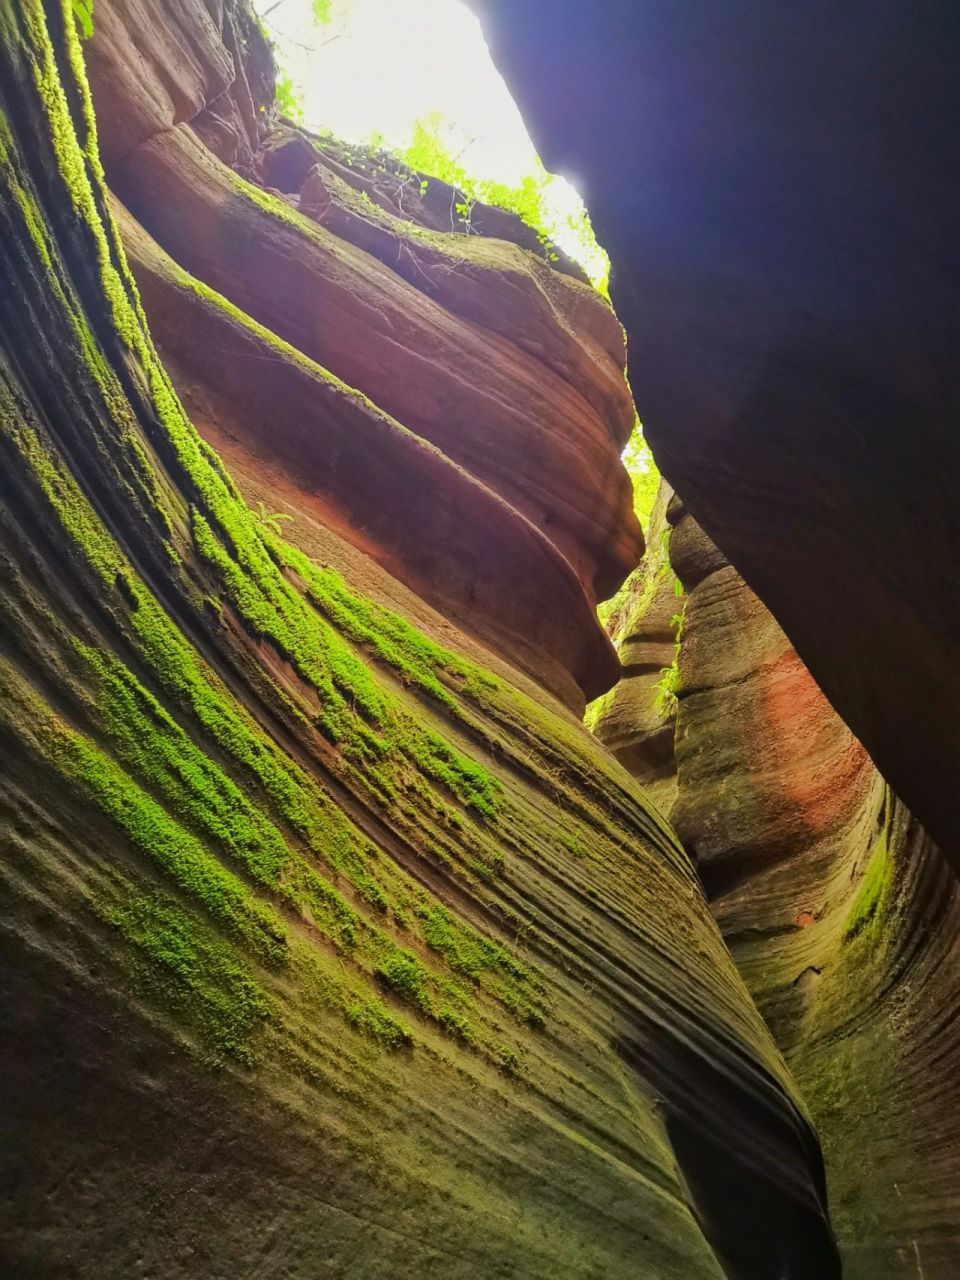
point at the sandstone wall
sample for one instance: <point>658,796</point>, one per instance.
<point>332,943</point>
<point>840,912</point>
<point>454,403</point>
<point>786,264</point>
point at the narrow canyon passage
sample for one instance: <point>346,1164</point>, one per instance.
<point>370,907</point>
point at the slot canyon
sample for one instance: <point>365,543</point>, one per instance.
<point>373,907</point>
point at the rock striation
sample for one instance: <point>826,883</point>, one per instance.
<point>636,719</point>
<point>438,331</point>
<point>839,911</point>
<point>332,943</point>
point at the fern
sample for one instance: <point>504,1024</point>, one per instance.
<point>270,520</point>
<point>668,686</point>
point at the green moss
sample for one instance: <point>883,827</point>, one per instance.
<point>574,846</point>
<point>173,848</point>
<point>374,1019</point>
<point>199,790</point>
<point>82,526</point>
<point>875,892</point>
<point>404,974</point>
<point>509,1059</point>
<point>83,14</point>
<point>523,1008</point>
<point>358,714</point>
<point>153,745</point>
<point>465,951</point>
<point>322,981</point>
<point>408,978</point>
<point>413,655</point>
<point>172,766</point>
<point>77,163</point>
<point>668,686</point>
<point>172,758</point>
<point>191,970</point>
<point>156,834</point>
<point>456,1025</point>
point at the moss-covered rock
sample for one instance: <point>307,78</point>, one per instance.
<point>332,944</point>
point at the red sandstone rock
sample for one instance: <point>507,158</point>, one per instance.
<point>778,189</point>
<point>511,369</point>
<point>432,524</point>
<point>842,915</point>
<point>241,821</point>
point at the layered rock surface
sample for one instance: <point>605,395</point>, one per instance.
<point>636,719</point>
<point>839,911</point>
<point>333,944</point>
<point>492,387</point>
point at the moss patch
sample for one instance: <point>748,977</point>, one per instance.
<point>869,906</point>
<point>192,971</point>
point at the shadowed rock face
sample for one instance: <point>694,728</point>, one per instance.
<point>839,911</point>
<point>787,264</point>
<point>331,941</point>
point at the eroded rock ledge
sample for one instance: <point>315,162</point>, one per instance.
<point>454,403</point>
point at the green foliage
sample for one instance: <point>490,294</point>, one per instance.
<point>173,759</point>
<point>465,951</point>
<point>404,974</point>
<point>274,522</point>
<point>876,888</point>
<point>643,473</point>
<point>456,1025</point>
<point>417,659</point>
<point>183,857</point>
<point>645,479</point>
<point>668,686</point>
<point>509,1060</point>
<point>665,566</point>
<point>410,979</point>
<point>522,1008</point>
<point>374,1019</point>
<point>200,791</point>
<point>289,101</point>
<point>427,154</point>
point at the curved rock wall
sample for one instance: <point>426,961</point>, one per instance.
<point>331,942</point>
<point>636,719</point>
<point>439,331</point>
<point>786,262</point>
<point>840,912</point>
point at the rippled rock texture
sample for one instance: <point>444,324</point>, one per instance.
<point>332,944</point>
<point>840,912</point>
